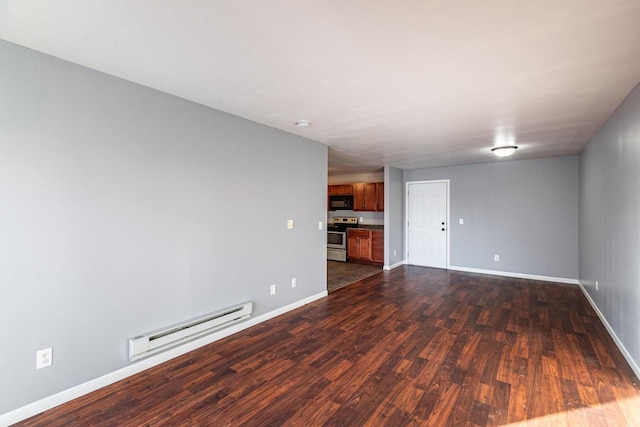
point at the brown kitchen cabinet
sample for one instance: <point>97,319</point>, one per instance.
<point>340,190</point>
<point>365,246</point>
<point>380,196</point>
<point>358,197</point>
<point>359,245</point>
<point>366,197</point>
<point>377,246</point>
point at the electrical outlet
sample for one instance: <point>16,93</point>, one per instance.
<point>596,286</point>
<point>394,252</point>
<point>319,225</point>
<point>496,257</point>
<point>272,290</point>
<point>461,221</point>
<point>294,282</point>
<point>44,358</point>
<point>290,224</point>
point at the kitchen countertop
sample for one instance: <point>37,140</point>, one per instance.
<point>363,226</point>
<point>371,227</point>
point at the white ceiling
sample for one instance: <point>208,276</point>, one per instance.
<point>401,83</point>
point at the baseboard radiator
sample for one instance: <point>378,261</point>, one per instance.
<point>163,339</point>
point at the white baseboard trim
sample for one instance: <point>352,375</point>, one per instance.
<point>64,396</point>
<point>605,322</point>
<point>516,275</point>
<point>392,266</point>
<point>312,298</point>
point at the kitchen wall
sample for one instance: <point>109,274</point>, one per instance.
<point>526,211</point>
<point>356,178</point>
<point>369,218</point>
<point>393,216</point>
<point>609,222</point>
<point>124,209</point>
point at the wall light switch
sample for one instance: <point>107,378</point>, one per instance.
<point>319,225</point>
<point>272,289</point>
<point>294,282</point>
<point>290,224</point>
<point>461,221</point>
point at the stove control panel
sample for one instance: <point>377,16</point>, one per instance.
<point>350,220</point>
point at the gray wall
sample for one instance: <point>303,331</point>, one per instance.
<point>356,177</point>
<point>609,221</point>
<point>525,211</point>
<point>393,216</point>
<point>123,209</point>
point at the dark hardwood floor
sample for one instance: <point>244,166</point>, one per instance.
<point>413,346</point>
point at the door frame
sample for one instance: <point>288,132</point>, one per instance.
<point>448,219</point>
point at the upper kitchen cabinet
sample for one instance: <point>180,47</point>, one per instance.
<point>341,190</point>
<point>368,197</point>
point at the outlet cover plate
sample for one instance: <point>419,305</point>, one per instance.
<point>44,358</point>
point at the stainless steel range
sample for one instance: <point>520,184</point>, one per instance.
<point>337,237</point>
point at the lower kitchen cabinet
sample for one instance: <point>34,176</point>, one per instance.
<point>358,245</point>
<point>365,246</point>
<point>377,246</point>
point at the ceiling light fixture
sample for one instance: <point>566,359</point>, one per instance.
<point>505,151</point>
<point>302,123</point>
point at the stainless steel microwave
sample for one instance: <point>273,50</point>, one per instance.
<point>341,203</point>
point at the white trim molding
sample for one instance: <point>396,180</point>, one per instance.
<point>392,266</point>
<point>64,396</point>
<point>614,336</point>
<point>516,275</point>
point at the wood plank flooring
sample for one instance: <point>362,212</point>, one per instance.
<point>413,346</point>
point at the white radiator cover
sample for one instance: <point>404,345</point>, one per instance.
<point>171,336</point>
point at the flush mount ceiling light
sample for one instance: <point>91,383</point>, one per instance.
<point>302,123</point>
<point>505,151</point>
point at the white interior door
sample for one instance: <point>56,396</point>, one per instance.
<point>427,223</point>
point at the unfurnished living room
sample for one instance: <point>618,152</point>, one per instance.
<point>185,188</point>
